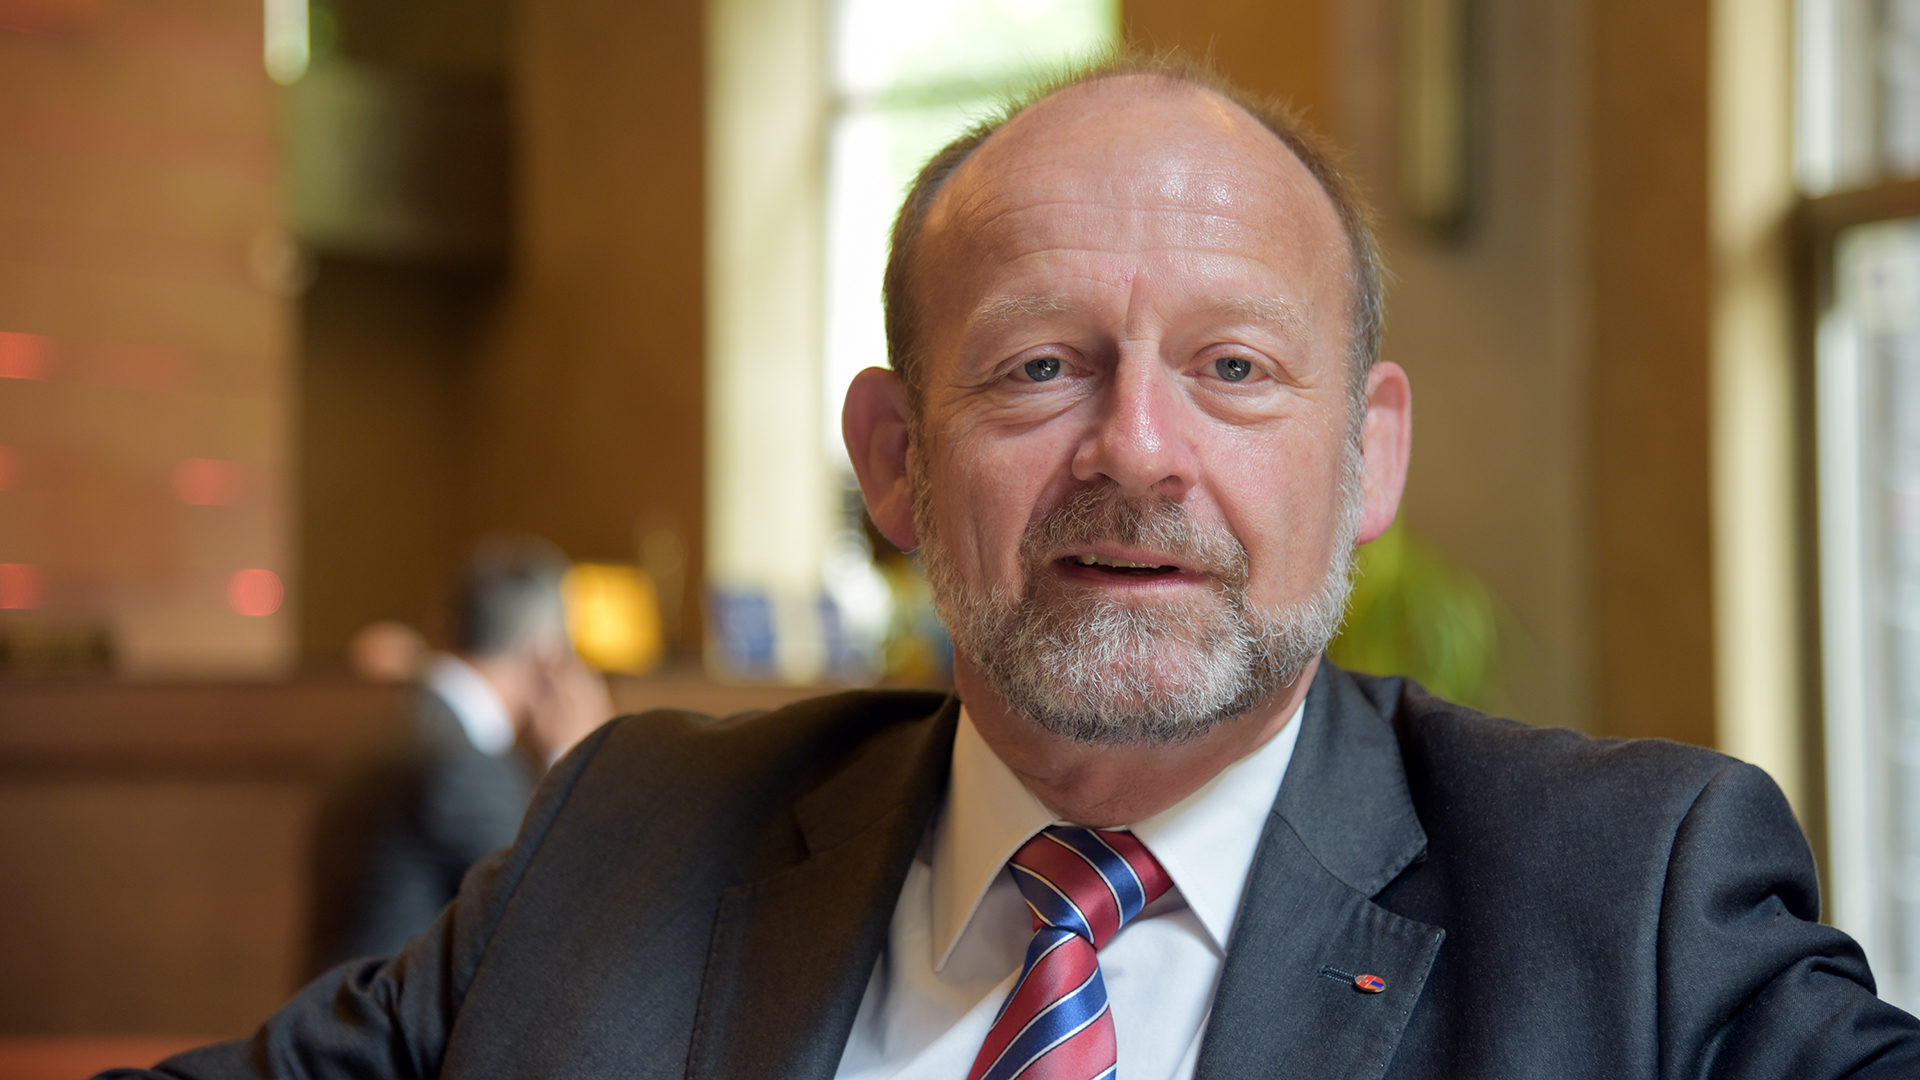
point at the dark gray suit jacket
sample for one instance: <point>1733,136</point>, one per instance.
<point>396,833</point>
<point>699,899</point>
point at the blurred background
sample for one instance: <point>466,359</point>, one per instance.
<point>299,298</point>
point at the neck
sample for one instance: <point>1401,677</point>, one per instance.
<point>1111,786</point>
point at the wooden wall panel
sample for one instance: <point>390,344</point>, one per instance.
<point>1492,326</point>
<point>589,384</point>
<point>1280,48</point>
<point>1651,331</point>
<point>383,481</point>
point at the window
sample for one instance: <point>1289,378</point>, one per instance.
<point>1858,148</point>
<point>1859,91</point>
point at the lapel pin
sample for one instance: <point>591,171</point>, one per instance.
<point>1369,984</point>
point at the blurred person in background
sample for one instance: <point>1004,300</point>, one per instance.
<point>481,724</point>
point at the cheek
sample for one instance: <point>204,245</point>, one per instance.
<point>994,487</point>
<point>1284,504</point>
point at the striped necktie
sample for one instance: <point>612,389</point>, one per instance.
<point>1083,886</point>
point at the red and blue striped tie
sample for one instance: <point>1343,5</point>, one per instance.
<point>1083,885</point>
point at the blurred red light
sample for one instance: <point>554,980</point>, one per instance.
<point>23,356</point>
<point>255,592</point>
<point>207,482</point>
<point>19,586</point>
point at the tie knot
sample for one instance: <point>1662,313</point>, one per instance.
<point>1088,881</point>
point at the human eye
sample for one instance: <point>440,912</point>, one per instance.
<point>1042,369</point>
<point>1236,371</point>
<point>1233,368</point>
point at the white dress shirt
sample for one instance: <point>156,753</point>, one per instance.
<point>482,715</point>
<point>960,929</point>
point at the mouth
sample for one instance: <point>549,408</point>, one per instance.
<point>1105,564</point>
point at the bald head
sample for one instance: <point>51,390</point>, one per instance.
<point>1156,131</point>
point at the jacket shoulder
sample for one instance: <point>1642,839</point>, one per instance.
<point>1467,759</point>
<point>737,781</point>
<point>1513,812</point>
<point>813,737</point>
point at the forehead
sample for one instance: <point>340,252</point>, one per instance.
<point>1169,174</point>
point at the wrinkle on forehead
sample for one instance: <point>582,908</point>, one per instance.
<point>1133,149</point>
<point>1279,313</point>
<point>1119,181</point>
<point>1001,212</point>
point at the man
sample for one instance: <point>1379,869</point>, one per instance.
<point>1135,424</point>
<point>397,834</point>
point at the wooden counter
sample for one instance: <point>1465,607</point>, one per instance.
<point>153,839</point>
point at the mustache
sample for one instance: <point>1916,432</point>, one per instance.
<point>1104,513</point>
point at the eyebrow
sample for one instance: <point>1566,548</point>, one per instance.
<point>1003,310</point>
<point>1275,312</point>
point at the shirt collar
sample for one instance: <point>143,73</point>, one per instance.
<point>482,715</point>
<point>1206,841</point>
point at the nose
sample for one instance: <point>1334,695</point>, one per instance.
<point>1140,439</point>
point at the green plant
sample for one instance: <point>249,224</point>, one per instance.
<point>1413,613</point>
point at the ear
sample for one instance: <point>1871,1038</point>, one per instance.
<point>1386,439</point>
<point>876,424</point>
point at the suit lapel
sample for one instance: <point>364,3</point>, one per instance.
<point>792,953</point>
<point>1342,828</point>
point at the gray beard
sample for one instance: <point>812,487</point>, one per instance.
<point>1096,670</point>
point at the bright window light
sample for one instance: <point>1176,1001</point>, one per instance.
<point>286,40</point>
